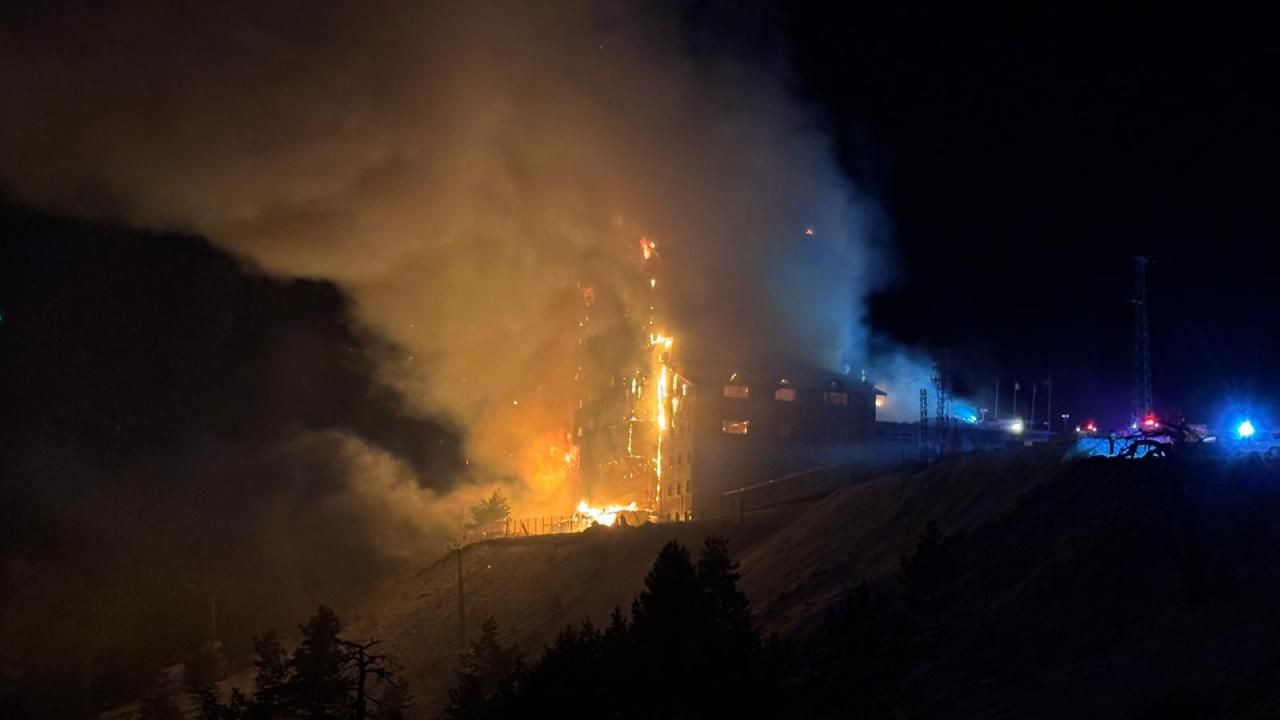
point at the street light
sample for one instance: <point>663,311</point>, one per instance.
<point>1065,418</point>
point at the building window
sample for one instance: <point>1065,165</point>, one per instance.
<point>835,398</point>
<point>742,392</point>
<point>735,427</point>
<point>785,394</point>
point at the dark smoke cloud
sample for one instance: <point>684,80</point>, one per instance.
<point>172,422</point>
<point>437,183</point>
<point>459,169</point>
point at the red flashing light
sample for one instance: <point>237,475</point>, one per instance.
<point>1149,421</point>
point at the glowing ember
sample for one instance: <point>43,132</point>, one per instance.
<point>662,405</point>
<point>607,515</point>
<point>664,341</point>
<point>662,396</point>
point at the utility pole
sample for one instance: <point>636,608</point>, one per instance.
<point>1141,349</point>
<point>1048,411</point>
<point>88,686</point>
<point>924,424</point>
<point>1016,387</point>
<point>213,619</point>
<point>462,613</point>
<point>1032,425</point>
<point>995,409</point>
<point>941,389</point>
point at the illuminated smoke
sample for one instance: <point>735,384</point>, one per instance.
<point>468,173</point>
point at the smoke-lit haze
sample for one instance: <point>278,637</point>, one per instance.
<point>463,174</point>
<point>461,170</point>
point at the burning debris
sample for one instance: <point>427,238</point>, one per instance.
<point>605,516</point>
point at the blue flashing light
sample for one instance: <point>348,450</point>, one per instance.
<point>1245,430</point>
<point>964,412</point>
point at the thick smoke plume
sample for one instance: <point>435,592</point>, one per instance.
<point>462,171</point>
<point>177,429</point>
<point>465,175</point>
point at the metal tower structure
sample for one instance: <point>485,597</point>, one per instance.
<point>941,392</point>
<point>924,424</point>
<point>1141,350</point>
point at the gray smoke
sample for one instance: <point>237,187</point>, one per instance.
<point>462,171</point>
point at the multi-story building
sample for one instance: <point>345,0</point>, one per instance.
<point>675,446</point>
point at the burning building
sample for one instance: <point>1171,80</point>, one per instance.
<point>665,441</point>
<point>679,444</point>
<point>634,436</point>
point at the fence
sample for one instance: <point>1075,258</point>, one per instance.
<point>526,527</point>
<point>547,525</point>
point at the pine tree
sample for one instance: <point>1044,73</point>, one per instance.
<point>728,606</point>
<point>238,707</point>
<point>570,673</point>
<point>669,646</point>
<point>927,572</point>
<point>690,637</point>
<point>327,677</point>
<point>489,678</point>
<point>858,659</point>
<point>615,636</point>
<point>671,607</point>
<point>317,686</point>
<point>619,664</point>
<point>394,703</point>
<point>740,675</point>
<point>271,679</point>
<point>491,509</point>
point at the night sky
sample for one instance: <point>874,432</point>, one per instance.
<point>1019,156</point>
<point>1025,151</point>
<point>239,250</point>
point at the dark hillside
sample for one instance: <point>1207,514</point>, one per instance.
<point>1113,588</point>
<point>1094,588</point>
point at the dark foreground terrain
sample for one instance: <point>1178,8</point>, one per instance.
<point>987,586</point>
<point>1095,588</point>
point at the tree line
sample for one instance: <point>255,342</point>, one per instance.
<point>686,649</point>
<point>327,677</point>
